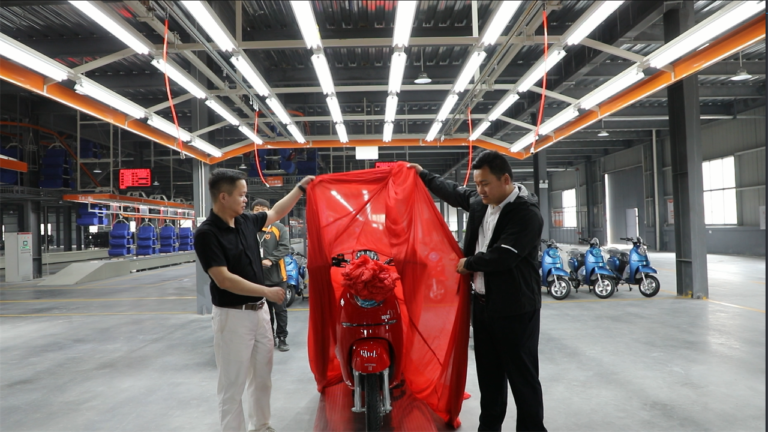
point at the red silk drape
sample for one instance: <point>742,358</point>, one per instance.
<point>391,211</point>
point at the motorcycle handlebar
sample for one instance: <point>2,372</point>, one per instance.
<point>583,240</point>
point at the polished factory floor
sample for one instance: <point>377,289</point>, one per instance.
<point>128,354</point>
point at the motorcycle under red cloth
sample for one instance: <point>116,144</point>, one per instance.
<point>390,211</point>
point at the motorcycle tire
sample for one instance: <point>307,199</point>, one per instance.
<point>601,293</point>
<point>561,292</point>
<point>290,296</point>
<point>374,411</point>
<point>653,286</point>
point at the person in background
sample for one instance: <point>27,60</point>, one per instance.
<point>501,249</point>
<point>274,247</point>
<point>227,248</point>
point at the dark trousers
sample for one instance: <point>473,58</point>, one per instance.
<point>278,312</point>
<point>507,351</point>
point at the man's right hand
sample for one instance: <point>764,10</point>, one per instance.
<point>416,167</point>
<point>275,294</point>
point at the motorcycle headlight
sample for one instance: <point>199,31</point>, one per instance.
<point>642,250</point>
<point>367,303</point>
<point>552,253</point>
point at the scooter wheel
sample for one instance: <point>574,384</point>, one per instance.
<point>374,411</point>
<point>650,286</point>
<point>605,288</point>
<point>559,289</point>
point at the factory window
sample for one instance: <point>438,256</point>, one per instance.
<point>720,191</point>
<point>569,208</point>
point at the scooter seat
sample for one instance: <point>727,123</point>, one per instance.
<point>624,257</point>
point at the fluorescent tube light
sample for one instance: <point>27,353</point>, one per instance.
<point>404,14</point>
<point>725,19</point>
<point>396,70</point>
<point>391,110</point>
<point>499,21</point>
<point>181,77</point>
<point>250,134</point>
<point>210,22</point>
<point>323,73</point>
<point>388,129</point>
<point>296,134</point>
<point>333,106</point>
<point>537,71</point>
<point>278,109</point>
<point>558,120</point>
<point>613,86</point>
<point>32,59</point>
<point>503,105</point>
<point>590,20</point>
<point>223,111</point>
<point>433,131</point>
<point>102,94</point>
<point>479,131</point>
<point>250,74</point>
<point>117,27</point>
<point>302,10</point>
<point>523,142</point>
<point>341,131</point>
<point>206,147</point>
<point>168,127</point>
<point>469,71</point>
<point>447,106</point>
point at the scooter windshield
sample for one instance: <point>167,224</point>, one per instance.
<point>390,211</point>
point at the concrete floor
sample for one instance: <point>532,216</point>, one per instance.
<point>128,354</point>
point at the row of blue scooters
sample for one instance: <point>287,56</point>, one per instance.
<point>591,269</point>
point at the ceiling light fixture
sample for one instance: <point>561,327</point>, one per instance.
<point>32,59</point>
<point>499,21</point>
<point>223,111</point>
<point>469,71</point>
<point>558,120</point>
<point>341,131</point>
<point>590,20</point>
<point>389,127</point>
<point>396,70</point>
<point>305,17</point>
<point>323,73</point>
<point>433,131</point>
<point>523,142</point>
<point>242,166</point>
<point>168,127</point>
<point>613,86</point>
<point>180,77</point>
<point>333,106</point>
<point>155,183</point>
<point>423,78</point>
<point>296,134</point>
<point>250,73</point>
<point>742,73</point>
<point>210,22</point>
<point>404,14</point>
<point>104,95</point>
<point>97,170</point>
<point>479,131</point>
<point>603,133</point>
<point>113,24</point>
<point>278,109</point>
<point>206,147</point>
<point>391,109</point>
<point>250,134</point>
<point>502,106</point>
<point>447,106</point>
<point>537,71</point>
<point>723,20</point>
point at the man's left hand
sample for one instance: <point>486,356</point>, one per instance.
<point>460,267</point>
<point>266,263</point>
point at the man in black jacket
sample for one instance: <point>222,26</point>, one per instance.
<point>501,249</point>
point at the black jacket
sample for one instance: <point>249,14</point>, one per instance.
<point>512,284</point>
<point>274,246</point>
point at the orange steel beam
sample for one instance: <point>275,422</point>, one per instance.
<point>123,199</point>
<point>35,82</point>
<point>733,42</point>
<point>13,165</point>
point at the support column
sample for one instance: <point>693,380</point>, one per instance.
<point>687,183</point>
<point>31,210</point>
<point>78,237</point>
<point>67,231</point>
<point>658,189</point>
<point>588,182</point>
<point>541,189</point>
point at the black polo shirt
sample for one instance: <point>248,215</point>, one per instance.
<point>219,245</point>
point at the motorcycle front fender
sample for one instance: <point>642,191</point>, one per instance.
<point>646,269</point>
<point>557,271</point>
<point>370,356</point>
<point>604,271</point>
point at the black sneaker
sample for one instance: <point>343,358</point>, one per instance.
<point>282,345</point>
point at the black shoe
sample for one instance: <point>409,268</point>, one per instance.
<point>282,345</point>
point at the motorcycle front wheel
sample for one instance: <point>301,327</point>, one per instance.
<point>374,411</point>
<point>559,289</point>
<point>650,286</point>
<point>605,288</point>
<point>289,295</point>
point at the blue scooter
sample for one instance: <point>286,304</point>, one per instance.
<point>591,270</point>
<point>635,267</point>
<point>295,275</point>
<point>553,275</point>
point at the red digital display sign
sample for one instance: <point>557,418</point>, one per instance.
<point>385,164</point>
<point>141,177</point>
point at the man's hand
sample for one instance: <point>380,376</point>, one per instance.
<point>306,180</point>
<point>416,167</point>
<point>275,295</point>
<point>266,263</point>
<point>460,267</point>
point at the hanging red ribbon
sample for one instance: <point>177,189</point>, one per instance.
<point>469,163</point>
<point>543,83</point>
<point>168,88</point>
<point>256,148</point>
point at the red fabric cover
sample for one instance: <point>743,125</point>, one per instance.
<point>391,212</point>
<point>369,279</point>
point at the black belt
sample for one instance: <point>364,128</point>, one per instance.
<point>248,306</point>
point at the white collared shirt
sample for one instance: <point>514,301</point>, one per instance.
<point>486,231</point>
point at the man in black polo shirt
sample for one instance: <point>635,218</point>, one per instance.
<point>228,250</point>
